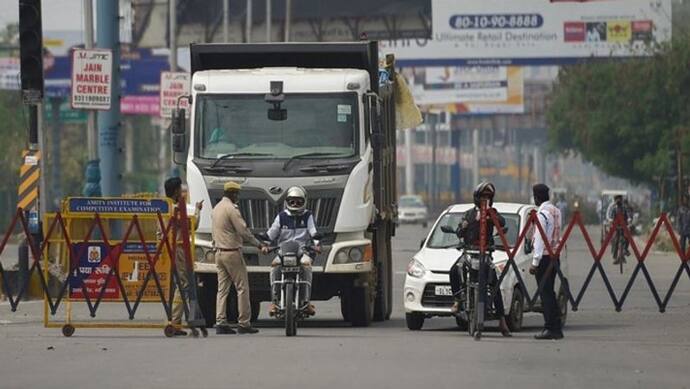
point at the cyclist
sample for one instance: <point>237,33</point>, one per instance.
<point>469,232</point>
<point>615,209</point>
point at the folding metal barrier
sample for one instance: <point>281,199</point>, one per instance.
<point>555,252</point>
<point>93,263</point>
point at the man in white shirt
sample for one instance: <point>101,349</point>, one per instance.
<point>550,221</point>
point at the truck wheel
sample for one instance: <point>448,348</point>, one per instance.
<point>206,293</point>
<point>345,305</point>
<point>517,309</point>
<point>361,306</point>
<point>415,321</point>
<point>256,309</point>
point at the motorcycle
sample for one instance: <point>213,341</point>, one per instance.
<point>476,294</point>
<point>290,307</point>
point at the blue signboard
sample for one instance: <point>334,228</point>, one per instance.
<point>118,206</point>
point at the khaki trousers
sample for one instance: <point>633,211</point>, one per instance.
<point>232,269</point>
<point>178,307</point>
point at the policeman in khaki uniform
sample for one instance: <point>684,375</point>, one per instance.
<point>229,232</point>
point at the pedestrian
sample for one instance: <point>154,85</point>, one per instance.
<point>549,218</point>
<point>229,233</point>
<point>174,191</point>
<point>684,223</point>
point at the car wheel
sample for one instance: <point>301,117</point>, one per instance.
<point>414,321</point>
<point>517,309</point>
<point>462,323</point>
<point>563,306</point>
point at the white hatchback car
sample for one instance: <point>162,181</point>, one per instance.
<point>427,290</point>
<point>411,209</point>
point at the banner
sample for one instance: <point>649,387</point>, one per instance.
<point>469,90</point>
<point>536,32</point>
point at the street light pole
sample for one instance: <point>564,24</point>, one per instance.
<point>92,185</point>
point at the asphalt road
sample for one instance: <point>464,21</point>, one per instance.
<point>636,348</point>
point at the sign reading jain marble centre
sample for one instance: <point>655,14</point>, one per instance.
<point>532,32</point>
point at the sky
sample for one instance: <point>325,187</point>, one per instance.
<point>58,15</point>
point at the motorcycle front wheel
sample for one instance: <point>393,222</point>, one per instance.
<point>290,311</point>
<point>471,311</point>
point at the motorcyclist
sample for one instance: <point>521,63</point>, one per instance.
<point>294,223</point>
<point>469,232</point>
<point>618,208</point>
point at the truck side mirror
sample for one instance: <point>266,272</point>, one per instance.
<point>178,143</point>
<point>179,123</point>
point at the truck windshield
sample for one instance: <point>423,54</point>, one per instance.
<point>317,124</point>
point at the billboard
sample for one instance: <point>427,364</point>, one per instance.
<point>537,32</point>
<point>469,90</point>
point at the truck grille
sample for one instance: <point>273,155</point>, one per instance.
<point>259,213</point>
<point>430,299</point>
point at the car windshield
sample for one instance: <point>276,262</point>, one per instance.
<point>440,239</point>
<point>317,125</point>
<point>411,202</point>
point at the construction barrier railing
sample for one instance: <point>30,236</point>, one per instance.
<point>619,224</point>
<point>100,250</point>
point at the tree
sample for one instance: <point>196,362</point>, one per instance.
<point>624,116</point>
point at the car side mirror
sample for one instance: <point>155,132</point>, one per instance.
<point>448,229</point>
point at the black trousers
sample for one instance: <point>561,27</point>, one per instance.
<point>491,280</point>
<point>552,314</point>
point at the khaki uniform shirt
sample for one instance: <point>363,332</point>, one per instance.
<point>229,228</point>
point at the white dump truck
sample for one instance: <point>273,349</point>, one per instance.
<point>318,115</point>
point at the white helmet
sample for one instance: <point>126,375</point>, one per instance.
<point>296,200</point>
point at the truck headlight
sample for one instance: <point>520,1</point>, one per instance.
<point>341,257</point>
<point>415,269</point>
<point>355,254</point>
<point>199,254</point>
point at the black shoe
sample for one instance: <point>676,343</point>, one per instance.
<point>247,330</point>
<point>180,333</point>
<point>224,330</point>
<point>549,335</point>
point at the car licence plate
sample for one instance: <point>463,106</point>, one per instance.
<point>443,290</point>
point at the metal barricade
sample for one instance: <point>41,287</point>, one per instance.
<point>106,250</point>
<point>597,255</point>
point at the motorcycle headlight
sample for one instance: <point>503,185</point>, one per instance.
<point>415,269</point>
<point>289,260</point>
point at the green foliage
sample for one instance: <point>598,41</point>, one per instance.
<point>624,116</point>
<point>13,124</point>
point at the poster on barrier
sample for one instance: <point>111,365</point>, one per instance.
<point>134,268</point>
<point>95,262</point>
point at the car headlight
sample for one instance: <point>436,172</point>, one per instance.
<point>341,257</point>
<point>415,269</point>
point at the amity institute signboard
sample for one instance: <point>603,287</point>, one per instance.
<point>534,32</point>
<point>91,78</point>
